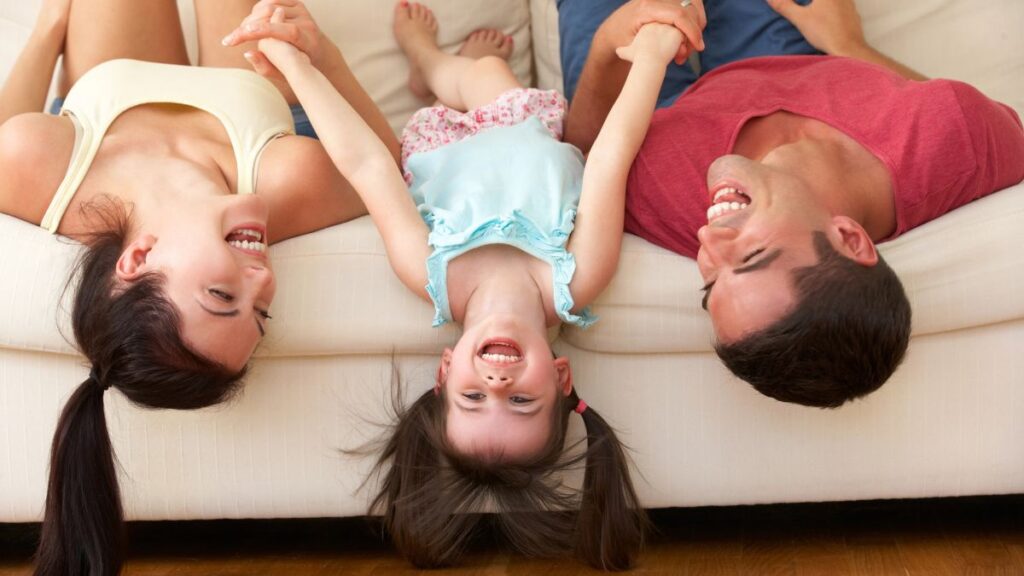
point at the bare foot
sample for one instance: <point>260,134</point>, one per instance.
<point>416,31</point>
<point>487,42</point>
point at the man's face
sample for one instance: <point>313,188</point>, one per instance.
<point>760,228</point>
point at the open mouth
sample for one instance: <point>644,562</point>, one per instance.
<point>249,239</point>
<point>500,351</point>
<point>727,200</point>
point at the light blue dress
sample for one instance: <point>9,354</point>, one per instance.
<point>512,185</point>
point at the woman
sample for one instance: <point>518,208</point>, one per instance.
<point>174,178</point>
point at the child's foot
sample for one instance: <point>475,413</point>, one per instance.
<point>416,31</point>
<point>487,42</point>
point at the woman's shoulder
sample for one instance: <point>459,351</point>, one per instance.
<point>34,153</point>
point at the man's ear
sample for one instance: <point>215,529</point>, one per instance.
<point>564,375</point>
<point>852,240</point>
<point>132,263</point>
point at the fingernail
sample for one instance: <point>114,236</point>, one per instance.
<point>250,27</point>
<point>248,55</point>
<point>226,40</point>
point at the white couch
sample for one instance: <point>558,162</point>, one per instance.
<point>950,422</point>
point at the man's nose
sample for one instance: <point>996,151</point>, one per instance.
<point>717,242</point>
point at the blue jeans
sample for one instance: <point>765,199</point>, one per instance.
<point>303,127</point>
<point>736,29</point>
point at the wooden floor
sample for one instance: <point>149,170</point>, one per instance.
<point>972,536</point>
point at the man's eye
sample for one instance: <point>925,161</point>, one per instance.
<point>221,295</point>
<point>748,257</point>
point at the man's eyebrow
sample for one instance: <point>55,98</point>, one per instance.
<point>762,263</point>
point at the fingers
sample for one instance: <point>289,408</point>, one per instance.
<point>261,13</point>
<point>788,9</point>
<point>691,31</point>
<point>261,64</point>
<point>702,17</point>
<point>285,31</point>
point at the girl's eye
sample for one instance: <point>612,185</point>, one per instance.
<point>520,400</point>
<point>221,295</point>
<point>473,396</point>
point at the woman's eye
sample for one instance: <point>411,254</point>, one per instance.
<point>473,396</point>
<point>264,314</point>
<point>221,295</point>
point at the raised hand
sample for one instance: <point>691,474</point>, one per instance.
<point>294,26</point>
<point>620,28</point>
<point>659,42</point>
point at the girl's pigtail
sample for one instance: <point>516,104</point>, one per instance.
<point>414,497</point>
<point>82,532</point>
<point>610,526</point>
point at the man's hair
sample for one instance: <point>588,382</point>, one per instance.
<point>846,336</point>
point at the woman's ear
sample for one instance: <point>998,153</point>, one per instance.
<point>132,263</point>
<point>564,375</point>
<point>854,241</point>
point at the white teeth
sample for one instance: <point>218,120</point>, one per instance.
<point>717,210</point>
<point>723,192</point>
<point>501,358</point>
<point>246,245</point>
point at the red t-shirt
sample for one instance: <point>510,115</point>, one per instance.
<point>944,143</point>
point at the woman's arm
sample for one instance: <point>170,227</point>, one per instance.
<point>833,26</point>
<point>299,29</point>
<point>597,237</point>
<point>362,159</point>
<point>29,81</point>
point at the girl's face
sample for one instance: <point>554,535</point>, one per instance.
<point>502,385</point>
<point>213,255</point>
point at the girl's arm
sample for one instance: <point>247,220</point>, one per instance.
<point>29,81</point>
<point>299,29</point>
<point>362,159</point>
<point>597,236</point>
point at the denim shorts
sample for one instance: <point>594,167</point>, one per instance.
<point>303,127</point>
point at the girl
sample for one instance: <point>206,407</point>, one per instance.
<point>154,166</point>
<point>506,234</point>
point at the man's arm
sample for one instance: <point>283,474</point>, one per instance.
<point>604,73</point>
<point>833,26</point>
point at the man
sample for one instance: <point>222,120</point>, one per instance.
<point>780,174</point>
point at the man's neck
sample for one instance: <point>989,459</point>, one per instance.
<point>846,177</point>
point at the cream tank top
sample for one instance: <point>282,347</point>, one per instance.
<point>251,109</point>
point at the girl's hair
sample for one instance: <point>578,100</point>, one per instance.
<point>130,335</point>
<point>432,496</point>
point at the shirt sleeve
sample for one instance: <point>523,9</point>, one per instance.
<point>997,138</point>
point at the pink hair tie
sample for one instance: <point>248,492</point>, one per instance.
<point>581,407</point>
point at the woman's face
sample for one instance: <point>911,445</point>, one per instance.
<point>213,254</point>
<point>502,385</point>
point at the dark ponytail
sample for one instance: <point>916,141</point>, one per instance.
<point>610,525</point>
<point>82,531</point>
<point>432,497</point>
<point>130,334</point>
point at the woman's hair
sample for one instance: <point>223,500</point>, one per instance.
<point>432,497</point>
<point>130,335</point>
